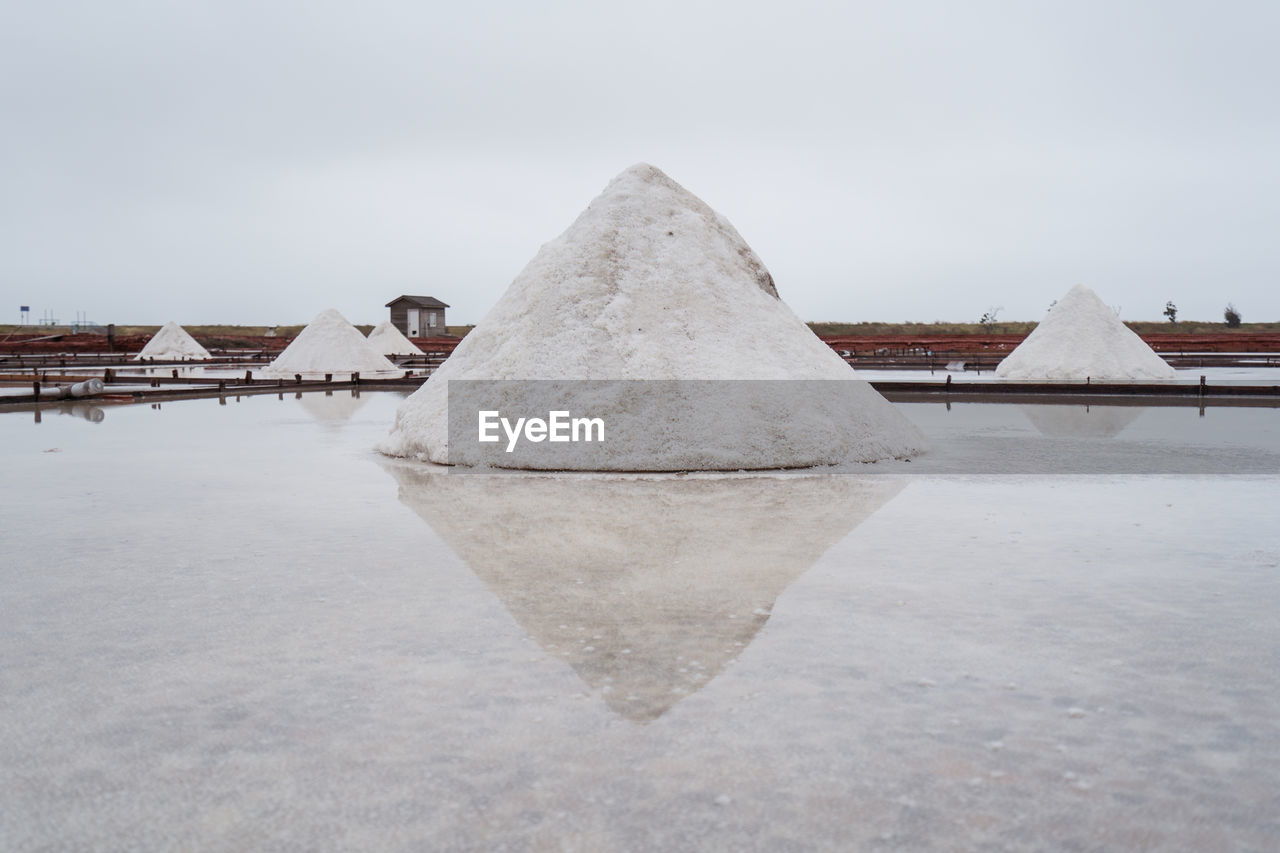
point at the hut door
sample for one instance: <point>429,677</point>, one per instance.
<point>414,331</point>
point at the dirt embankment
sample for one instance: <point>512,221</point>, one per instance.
<point>1167,342</point>
<point>857,344</point>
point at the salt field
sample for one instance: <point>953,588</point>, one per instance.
<point>233,625</point>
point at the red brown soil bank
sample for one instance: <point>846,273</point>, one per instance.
<point>1169,342</point>
<point>999,344</point>
<point>130,344</point>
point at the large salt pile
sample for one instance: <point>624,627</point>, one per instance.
<point>387,339</point>
<point>650,283</point>
<point>1082,338</point>
<point>330,344</point>
<point>173,343</point>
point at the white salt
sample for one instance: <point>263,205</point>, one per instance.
<point>173,343</point>
<point>330,344</point>
<point>1082,338</point>
<point>651,283</point>
<point>388,340</point>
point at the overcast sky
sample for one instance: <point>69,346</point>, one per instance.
<point>257,162</point>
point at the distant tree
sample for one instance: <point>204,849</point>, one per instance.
<point>1231,315</point>
<point>989,319</point>
<point>1171,311</point>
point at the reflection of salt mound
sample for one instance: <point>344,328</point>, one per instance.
<point>1082,338</point>
<point>173,343</point>
<point>386,339</point>
<point>651,283</point>
<point>1075,421</point>
<point>647,587</point>
<point>330,345</point>
<point>332,406</point>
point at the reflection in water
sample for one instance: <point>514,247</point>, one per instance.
<point>646,586</point>
<point>332,405</point>
<point>87,411</point>
<point>1077,421</point>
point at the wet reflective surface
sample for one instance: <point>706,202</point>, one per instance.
<point>235,627</point>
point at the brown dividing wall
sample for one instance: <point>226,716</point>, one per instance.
<point>1268,342</point>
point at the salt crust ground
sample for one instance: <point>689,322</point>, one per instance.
<point>387,339</point>
<point>1071,663</point>
<point>330,344</point>
<point>1081,337</point>
<point>651,283</point>
<point>173,342</point>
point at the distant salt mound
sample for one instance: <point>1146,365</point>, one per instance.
<point>1081,337</point>
<point>330,344</point>
<point>173,343</point>
<point>651,283</point>
<point>387,339</point>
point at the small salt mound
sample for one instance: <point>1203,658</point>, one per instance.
<point>330,344</point>
<point>1082,338</point>
<point>651,283</point>
<point>387,339</point>
<point>173,343</point>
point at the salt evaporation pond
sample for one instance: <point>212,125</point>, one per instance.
<point>236,627</point>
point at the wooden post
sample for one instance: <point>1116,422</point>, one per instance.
<point>328,377</point>
<point>298,378</point>
<point>248,376</point>
<point>175,373</point>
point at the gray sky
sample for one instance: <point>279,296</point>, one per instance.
<point>257,162</point>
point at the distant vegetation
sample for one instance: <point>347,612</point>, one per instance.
<point>1231,316</point>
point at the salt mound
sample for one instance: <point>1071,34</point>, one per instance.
<point>172,343</point>
<point>387,339</point>
<point>651,283</point>
<point>1082,338</point>
<point>330,344</point>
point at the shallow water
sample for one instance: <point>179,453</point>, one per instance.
<point>236,627</point>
